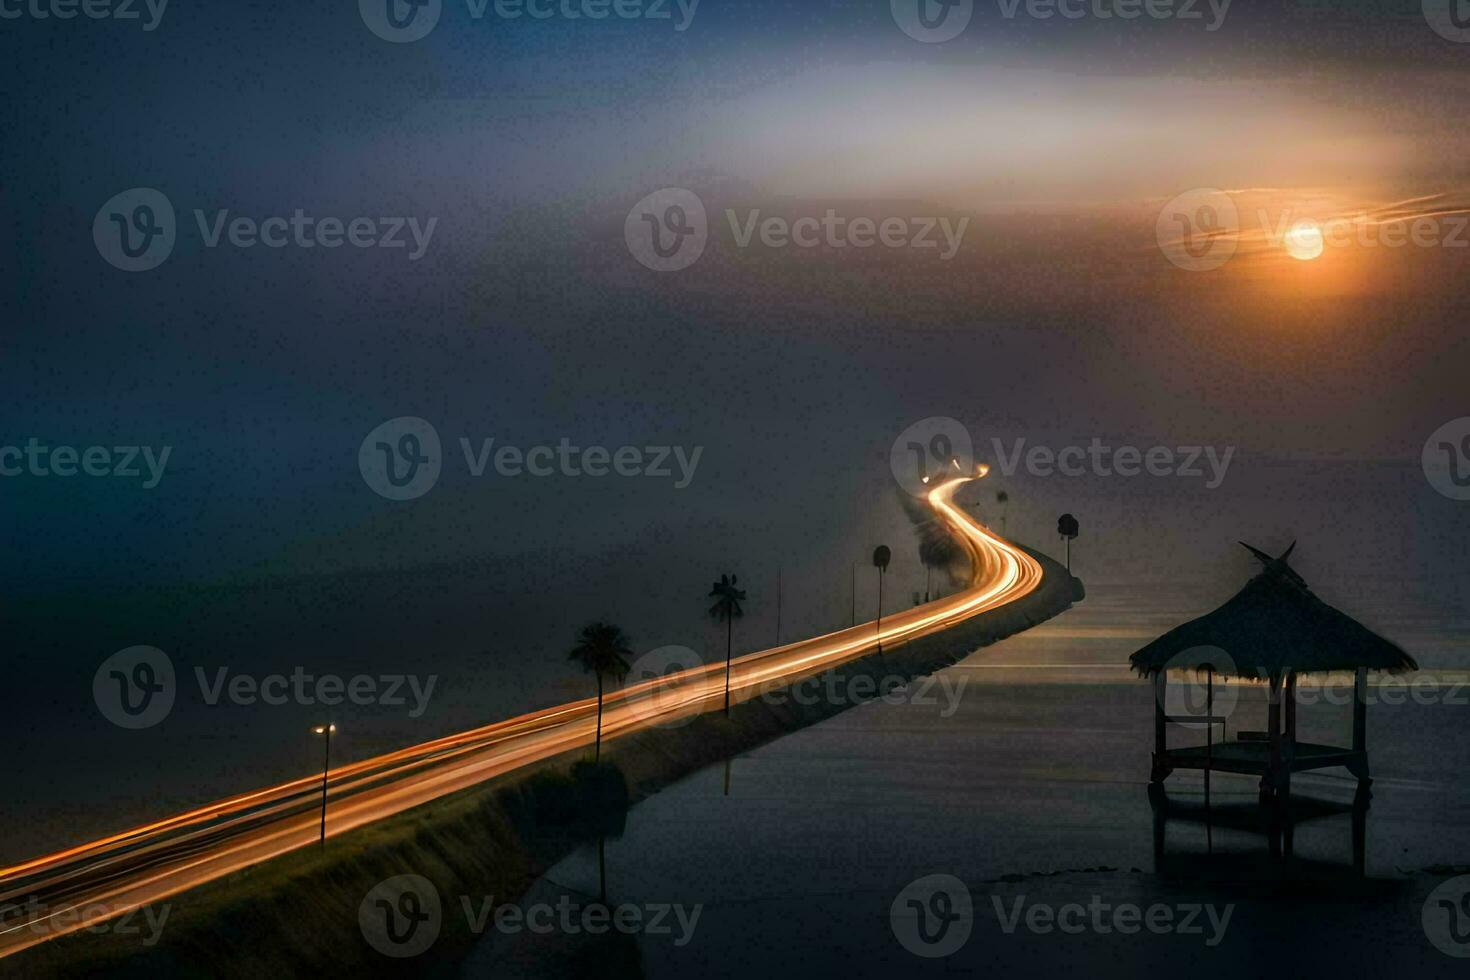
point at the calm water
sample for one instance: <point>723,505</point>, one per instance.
<point>1042,767</point>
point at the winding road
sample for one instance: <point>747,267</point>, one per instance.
<point>90,883</point>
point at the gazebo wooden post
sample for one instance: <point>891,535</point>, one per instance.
<point>1288,757</point>
<point>1160,770</point>
<point>1289,739</point>
<point>1273,736</point>
<point>1359,765</point>
<point>1209,753</point>
<point>1360,710</point>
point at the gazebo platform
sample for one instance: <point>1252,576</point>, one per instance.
<point>1252,756</point>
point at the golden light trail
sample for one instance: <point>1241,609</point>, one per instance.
<point>124,871</point>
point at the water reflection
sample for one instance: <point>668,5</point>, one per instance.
<point>1276,823</point>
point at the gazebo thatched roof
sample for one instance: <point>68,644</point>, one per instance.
<point>1272,627</point>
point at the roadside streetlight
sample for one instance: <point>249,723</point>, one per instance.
<point>326,730</point>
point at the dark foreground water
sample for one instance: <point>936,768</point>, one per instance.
<point>1030,787</point>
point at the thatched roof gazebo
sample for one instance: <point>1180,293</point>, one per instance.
<point>1272,630</point>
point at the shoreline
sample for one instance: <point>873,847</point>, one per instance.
<point>491,839</point>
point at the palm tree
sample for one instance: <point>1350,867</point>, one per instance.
<point>602,648</point>
<point>727,607</point>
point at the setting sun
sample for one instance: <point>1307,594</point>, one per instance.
<point>1304,240</point>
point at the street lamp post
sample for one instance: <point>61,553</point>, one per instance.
<point>326,730</point>
<point>881,557</point>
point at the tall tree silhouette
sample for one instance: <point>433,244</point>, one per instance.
<point>937,549</point>
<point>602,649</point>
<point>727,607</point>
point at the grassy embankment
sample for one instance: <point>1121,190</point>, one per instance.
<point>297,915</point>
